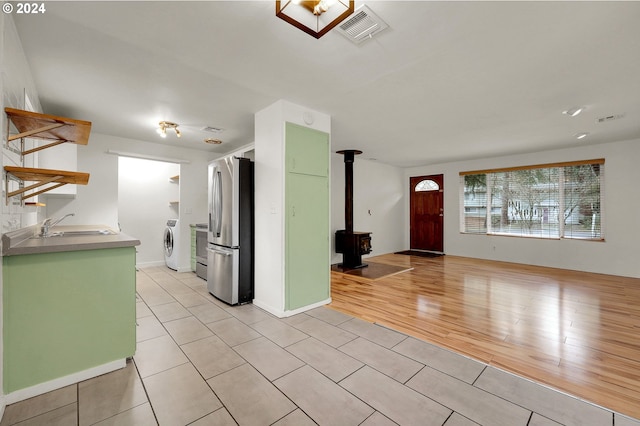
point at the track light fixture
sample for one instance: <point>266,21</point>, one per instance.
<point>164,125</point>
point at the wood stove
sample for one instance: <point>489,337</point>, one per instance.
<point>351,244</point>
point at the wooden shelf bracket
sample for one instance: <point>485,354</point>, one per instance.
<point>35,185</point>
<point>41,177</point>
<point>43,126</point>
<point>56,130</point>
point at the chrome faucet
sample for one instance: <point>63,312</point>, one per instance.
<point>50,223</point>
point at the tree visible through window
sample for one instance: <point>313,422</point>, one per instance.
<point>549,201</point>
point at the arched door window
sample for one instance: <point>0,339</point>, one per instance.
<point>427,185</point>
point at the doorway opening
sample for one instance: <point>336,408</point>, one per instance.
<point>148,196</point>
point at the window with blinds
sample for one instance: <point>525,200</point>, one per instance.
<point>560,200</point>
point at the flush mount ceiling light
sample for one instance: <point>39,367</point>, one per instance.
<point>572,112</point>
<point>314,17</point>
<point>213,141</point>
<point>164,125</point>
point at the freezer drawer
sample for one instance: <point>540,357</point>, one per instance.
<point>222,273</point>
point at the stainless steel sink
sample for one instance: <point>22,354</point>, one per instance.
<point>88,232</point>
<point>79,233</point>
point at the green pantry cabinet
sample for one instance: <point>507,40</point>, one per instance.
<point>66,312</point>
<point>193,247</point>
<point>307,256</point>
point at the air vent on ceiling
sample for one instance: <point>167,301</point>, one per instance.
<point>212,129</point>
<point>609,118</point>
<point>362,25</point>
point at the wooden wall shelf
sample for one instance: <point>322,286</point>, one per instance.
<point>42,177</point>
<point>48,127</point>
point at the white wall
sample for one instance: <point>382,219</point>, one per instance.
<point>97,202</point>
<point>17,83</point>
<point>617,255</point>
<point>144,192</point>
<point>269,202</point>
<point>378,203</point>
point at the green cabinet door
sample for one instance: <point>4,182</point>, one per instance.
<point>307,261</point>
<point>307,150</point>
<point>193,248</point>
<point>66,312</point>
<point>307,240</point>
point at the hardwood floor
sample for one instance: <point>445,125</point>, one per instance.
<point>574,331</point>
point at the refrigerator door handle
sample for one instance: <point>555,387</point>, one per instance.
<point>221,253</point>
<point>212,201</point>
<point>215,220</point>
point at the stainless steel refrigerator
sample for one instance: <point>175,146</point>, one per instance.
<point>230,275</point>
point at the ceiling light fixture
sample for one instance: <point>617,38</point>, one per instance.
<point>164,125</point>
<point>581,135</point>
<point>572,112</point>
<point>213,141</point>
<point>314,17</point>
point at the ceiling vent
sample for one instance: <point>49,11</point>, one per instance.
<point>212,129</point>
<point>362,25</point>
<point>609,118</point>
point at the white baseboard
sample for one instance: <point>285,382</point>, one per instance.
<point>277,312</point>
<point>39,389</point>
<point>3,404</point>
<point>283,314</point>
<point>162,263</point>
<point>307,308</point>
<point>150,264</point>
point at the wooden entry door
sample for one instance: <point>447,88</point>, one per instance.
<point>427,213</point>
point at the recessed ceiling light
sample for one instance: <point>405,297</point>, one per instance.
<point>572,112</point>
<point>581,135</point>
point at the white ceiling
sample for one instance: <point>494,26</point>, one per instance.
<point>447,81</point>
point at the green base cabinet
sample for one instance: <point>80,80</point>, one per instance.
<point>193,248</point>
<point>66,312</point>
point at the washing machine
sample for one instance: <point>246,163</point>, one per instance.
<point>171,243</point>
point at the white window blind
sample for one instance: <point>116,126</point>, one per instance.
<point>560,200</point>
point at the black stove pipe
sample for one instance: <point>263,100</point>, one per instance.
<point>348,188</point>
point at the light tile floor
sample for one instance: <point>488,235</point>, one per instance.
<point>202,362</point>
